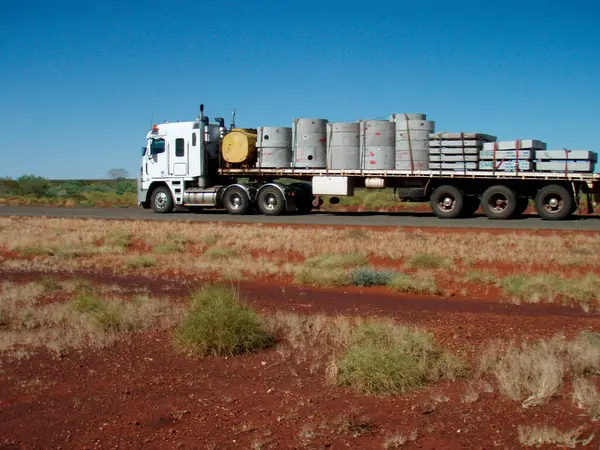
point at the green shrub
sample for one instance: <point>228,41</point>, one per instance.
<point>32,185</point>
<point>126,186</point>
<point>219,324</point>
<point>364,276</point>
<point>8,186</point>
<point>383,358</point>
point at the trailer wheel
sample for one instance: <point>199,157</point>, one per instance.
<point>554,202</point>
<point>472,204</point>
<point>447,202</point>
<point>236,200</point>
<point>270,201</point>
<point>499,202</point>
<point>162,200</point>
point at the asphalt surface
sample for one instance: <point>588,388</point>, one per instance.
<point>401,219</point>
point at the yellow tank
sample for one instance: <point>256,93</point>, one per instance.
<point>239,146</point>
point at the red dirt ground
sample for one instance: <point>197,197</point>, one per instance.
<point>141,393</point>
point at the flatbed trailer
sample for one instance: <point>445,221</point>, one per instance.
<point>183,165</point>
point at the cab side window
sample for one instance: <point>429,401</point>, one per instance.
<point>179,147</point>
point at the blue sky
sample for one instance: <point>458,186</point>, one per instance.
<point>80,84</point>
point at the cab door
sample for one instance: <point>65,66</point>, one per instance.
<point>179,159</point>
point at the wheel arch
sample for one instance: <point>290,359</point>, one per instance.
<point>154,185</point>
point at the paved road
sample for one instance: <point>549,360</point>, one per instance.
<point>405,219</point>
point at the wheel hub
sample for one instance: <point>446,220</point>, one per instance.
<point>270,202</point>
<point>161,200</point>
<point>447,203</point>
<point>236,202</point>
<point>499,203</point>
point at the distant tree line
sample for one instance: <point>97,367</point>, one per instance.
<point>32,185</point>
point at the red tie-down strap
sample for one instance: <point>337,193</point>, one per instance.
<point>566,162</point>
<point>494,158</point>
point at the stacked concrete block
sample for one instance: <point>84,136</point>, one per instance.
<point>456,151</point>
<point>510,156</point>
<point>565,160</point>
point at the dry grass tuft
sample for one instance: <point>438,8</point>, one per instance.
<point>322,277</point>
<point>584,354</point>
<point>479,277</point>
<point>531,373</point>
<point>140,262</point>
<point>535,436</point>
<point>414,284</point>
<point>314,337</point>
<point>168,247</point>
<point>550,287</point>
<point>86,320</point>
<point>586,396</point>
<point>398,440</point>
<point>220,253</point>
<point>428,261</point>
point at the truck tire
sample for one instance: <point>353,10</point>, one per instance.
<point>554,202</point>
<point>447,202</point>
<point>162,200</point>
<point>499,202</point>
<point>472,204</point>
<point>236,200</point>
<point>270,201</point>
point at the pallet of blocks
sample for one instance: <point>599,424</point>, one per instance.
<point>510,156</point>
<point>456,151</point>
<point>565,160</point>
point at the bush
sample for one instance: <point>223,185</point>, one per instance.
<point>365,276</point>
<point>8,186</point>
<point>126,186</point>
<point>69,189</point>
<point>384,358</point>
<point>219,324</point>
<point>32,185</point>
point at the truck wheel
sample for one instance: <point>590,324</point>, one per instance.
<point>270,201</point>
<point>162,200</point>
<point>554,202</point>
<point>447,202</point>
<point>499,202</point>
<point>236,201</point>
<point>471,205</point>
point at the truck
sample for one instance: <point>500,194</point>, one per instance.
<point>197,164</point>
